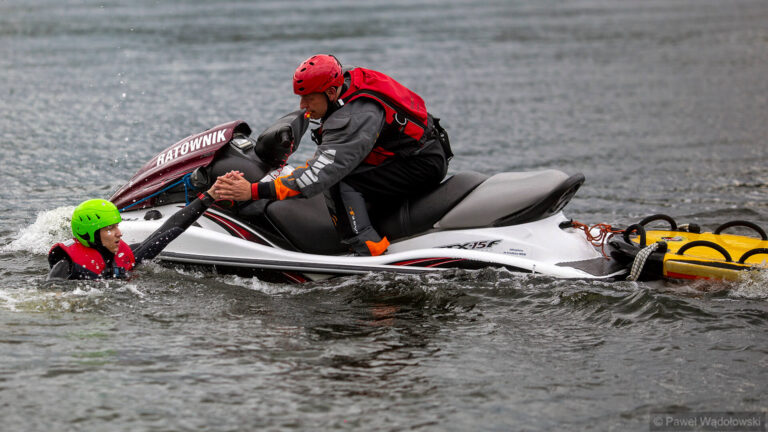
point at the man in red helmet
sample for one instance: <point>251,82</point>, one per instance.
<point>377,146</point>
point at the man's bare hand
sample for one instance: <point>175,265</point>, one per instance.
<point>234,186</point>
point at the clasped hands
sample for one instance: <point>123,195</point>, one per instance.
<point>232,186</point>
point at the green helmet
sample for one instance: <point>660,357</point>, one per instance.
<point>91,216</point>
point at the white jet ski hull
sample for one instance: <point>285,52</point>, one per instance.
<point>540,247</point>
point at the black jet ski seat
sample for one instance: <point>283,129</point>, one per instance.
<point>513,198</point>
<point>473,200</point>
<point>419,214</point>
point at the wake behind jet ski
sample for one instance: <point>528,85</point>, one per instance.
<point>470,221</point>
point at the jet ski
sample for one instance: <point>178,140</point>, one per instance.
<point>684,252</point>
<point>511,220</point>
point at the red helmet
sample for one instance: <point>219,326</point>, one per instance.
<point>316,74</point>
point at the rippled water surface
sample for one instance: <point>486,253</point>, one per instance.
<point>661,104</point>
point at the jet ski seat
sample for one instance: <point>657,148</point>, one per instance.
<point>420,214</point>
<point>513,198</point>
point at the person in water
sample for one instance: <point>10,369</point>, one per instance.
<point>377,146</point>
<point>97,249</point>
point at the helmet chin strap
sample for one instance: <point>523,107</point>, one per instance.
<point>332,106</point>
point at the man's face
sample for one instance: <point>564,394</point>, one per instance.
<point>315,104</point>
<point>110,237</point>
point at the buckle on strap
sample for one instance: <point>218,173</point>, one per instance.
<point>397,120</point>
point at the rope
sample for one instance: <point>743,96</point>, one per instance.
<point>184,180</point>
<point>187,186</point>
<point>640,259</point>
<point>604,231</point>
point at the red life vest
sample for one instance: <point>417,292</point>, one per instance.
<point>406,114</point>
<point>88,262</point>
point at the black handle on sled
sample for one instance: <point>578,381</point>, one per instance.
<point>752,252</point>
<point>640,230</point>
<point>747,224</point>
<point>652,218</point>
<point>706,243</point>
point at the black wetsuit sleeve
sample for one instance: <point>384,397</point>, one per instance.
<point>61,270</point>
<point>172,228</point>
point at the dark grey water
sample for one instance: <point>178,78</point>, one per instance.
<point>661,104</point>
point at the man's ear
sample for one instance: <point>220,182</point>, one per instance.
<point>332,93</point>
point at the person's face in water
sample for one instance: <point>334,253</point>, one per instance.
<point>110,237</point>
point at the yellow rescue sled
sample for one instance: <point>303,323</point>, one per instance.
<point>686,253</point>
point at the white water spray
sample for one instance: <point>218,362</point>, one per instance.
<point>50,227</point>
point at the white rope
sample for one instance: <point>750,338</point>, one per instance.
<point>639,263</point>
